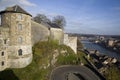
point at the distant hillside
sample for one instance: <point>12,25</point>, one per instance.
<point>93,35</point>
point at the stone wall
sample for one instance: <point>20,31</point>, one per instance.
<point>19,62</point>
<point>4,34</point>
<point>57,34</point>
<point>71,42</point>
<point>3,56</point>
<point>39,32</point>
<point>16,42</point>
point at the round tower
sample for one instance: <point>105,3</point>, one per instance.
<point>19,47</point>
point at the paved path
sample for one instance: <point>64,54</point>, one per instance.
<point>64,72</point>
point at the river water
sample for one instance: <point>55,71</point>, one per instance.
<point>90,45</point>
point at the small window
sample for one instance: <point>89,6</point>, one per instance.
<point>5,41</point>
<point>19,26</point>
<point>2,63</point>
<point>20,52</point>
<point>20,40</point>
<point>20,17</point>
<point>2,54</point>
<point>49,28</point>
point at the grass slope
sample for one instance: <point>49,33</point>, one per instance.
<point>42,55</point>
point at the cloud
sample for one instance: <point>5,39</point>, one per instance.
<point>6,3</point>
<point>26,2</point>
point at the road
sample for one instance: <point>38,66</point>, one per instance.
<point>82,72</point>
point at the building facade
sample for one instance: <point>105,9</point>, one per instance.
<point>15,38</point>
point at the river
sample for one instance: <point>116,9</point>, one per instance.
<point>90,45</point>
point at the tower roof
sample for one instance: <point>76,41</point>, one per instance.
<point>15,9</point>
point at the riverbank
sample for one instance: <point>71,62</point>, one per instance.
<point>105,65</point>
<point>100,49</point>
<point>103,62</point>
<point>108,48</point>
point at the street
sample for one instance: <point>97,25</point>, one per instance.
<point>74,72</point>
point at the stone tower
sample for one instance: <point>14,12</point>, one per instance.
<point>15,36</point>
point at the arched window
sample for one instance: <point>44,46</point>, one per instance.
<point>20,52</point>
<point>20,40</point>
<point>19,27</point>
<point>20,17</point>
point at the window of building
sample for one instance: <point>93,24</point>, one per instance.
<point>19,26</point>
<point>5,41</point>
<point>2,63</point>
<point>20,52</point>
<point>2,54</point>
<point>49,28</point>
<point>20,40</point>
<point>20,17</point>
<point>1,42</point>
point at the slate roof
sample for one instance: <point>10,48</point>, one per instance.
<point>15,9</point>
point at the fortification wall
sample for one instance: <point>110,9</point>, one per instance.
<point>20,62</point>
<point>39,32</point>
<point>16,40</point>
<point>18,27</point>
<point>16,59</point>
<point>4,33</point>
<point>57,34</point>
<point>71,42</point>
<point>3,58</point>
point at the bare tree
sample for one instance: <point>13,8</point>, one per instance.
<point>41,18</point>
<point>60,21</point>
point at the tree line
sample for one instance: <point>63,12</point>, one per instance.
<point>57,20</point>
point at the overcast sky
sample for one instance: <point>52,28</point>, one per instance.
<point>82,16</point>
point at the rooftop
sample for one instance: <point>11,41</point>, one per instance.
<point>15,9</point>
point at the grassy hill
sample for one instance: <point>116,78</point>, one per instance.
<point>41,65</point>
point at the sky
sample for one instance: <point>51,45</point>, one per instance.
<point>82,16</point>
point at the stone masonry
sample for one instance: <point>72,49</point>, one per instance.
<point>18,33</point>
<point>71,42</point>
<point>15,38</point>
